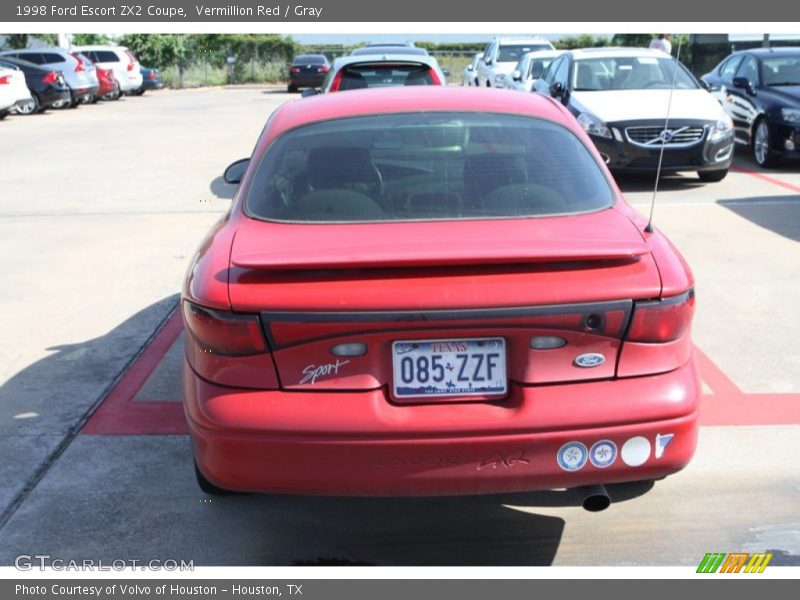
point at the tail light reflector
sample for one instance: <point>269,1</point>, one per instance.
<point>51,77</point>
<point>323,69</point>
<point>4,79</point>
<point>79,67</point>
<point>294,70</point>
<point>151,75</point>
<point>662,320</point>
<point>224,333</point>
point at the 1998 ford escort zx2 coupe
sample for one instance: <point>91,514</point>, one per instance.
<point>426,291</point>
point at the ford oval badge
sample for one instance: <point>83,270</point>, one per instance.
<point>592,359</point>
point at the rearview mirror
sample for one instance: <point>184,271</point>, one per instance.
<point>235,171</point>
<point>516,75</point>
<point>309,92</point>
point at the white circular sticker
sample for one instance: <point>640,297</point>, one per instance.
<point>635,451</point>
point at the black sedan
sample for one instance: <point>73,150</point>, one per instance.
<point>48,88</point>
<point>760,90</point>
<point>308,71</point>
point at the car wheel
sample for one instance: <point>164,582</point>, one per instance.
<point>29,108</point>
<point>3,114</point>
<point>291,88</point>
<point>712,176</point>
<point>209,488</point>
<point>762,152</point>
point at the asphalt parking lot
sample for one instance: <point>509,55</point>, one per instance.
<point>100,210</point>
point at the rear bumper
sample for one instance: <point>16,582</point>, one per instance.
<point>358,443</point>
<point>310,80</point>
<point>51,96</point>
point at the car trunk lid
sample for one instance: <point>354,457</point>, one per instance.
<point>335,299</point>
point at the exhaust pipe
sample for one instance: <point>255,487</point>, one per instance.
<point>594,498</point>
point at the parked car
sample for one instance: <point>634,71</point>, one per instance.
<point>13,90</point>
<point>502,55</point>
<point>760,90</point>
<point>621,96</point>
<point>109,88</point>
<point>422,291</point>
<point>91,73</point>
<point>151,80</point>
<point>82,86</point>
<point>530,68</point>
<point>389,49</point>
<point>47,87</point>
<point>469,74</point>
<point>382,70</point>
<point>307,71</point>
<point>125,65</point>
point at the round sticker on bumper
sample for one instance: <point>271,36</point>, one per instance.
<point>603,454</point>
<point>635,451</point>
<point>572,456</point>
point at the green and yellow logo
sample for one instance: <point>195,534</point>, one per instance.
<point>719,562</point>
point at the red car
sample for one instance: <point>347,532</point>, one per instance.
<point>425,291</point>
<point>109,88</point>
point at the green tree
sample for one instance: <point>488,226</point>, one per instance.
<point>90,39</point>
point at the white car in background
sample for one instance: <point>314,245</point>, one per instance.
<point>118,58</point>
<point>13,90</point>
<point>469,74</point>
<point>502,55</point>
<point>529,69</point>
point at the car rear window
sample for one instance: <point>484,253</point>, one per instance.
<point>426,166</point>
<point>105,56</point>
<point>374,75</point>
<point>309,60</point>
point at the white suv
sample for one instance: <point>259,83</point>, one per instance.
<point>502,55</point>
<point>118,58</point>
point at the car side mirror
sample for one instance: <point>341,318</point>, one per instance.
<point>557,89</point>
<point>516,75</point>
<point>470,67</point>
<point>445,72</point>
<point>308,92</point>
<point>705,85</point>
<point>487,61</point>
<point>743,83</point>
<point>235,171</point>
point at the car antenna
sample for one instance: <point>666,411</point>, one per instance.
<point>649,228</point>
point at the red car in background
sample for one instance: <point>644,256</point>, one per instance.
<point>423,291</point>
<point>109,88</point>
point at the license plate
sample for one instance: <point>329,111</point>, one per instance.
<point>446,368</point>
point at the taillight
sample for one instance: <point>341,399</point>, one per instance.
<point>51,77</point>
<point>224,333</point>
<point>662,320</point>
<point>337,81</point>
<point>294,70</point>
<point>435,77</point>
<point>151,75</point>
<point>323,69</point>
<point>79,67</point>
<point>5,79</point>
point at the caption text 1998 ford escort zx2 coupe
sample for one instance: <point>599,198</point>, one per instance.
<point>434,291</point>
